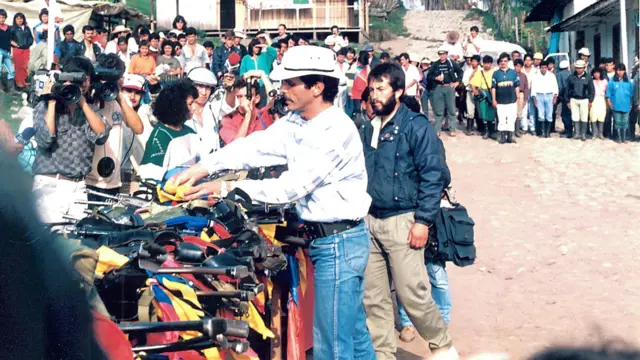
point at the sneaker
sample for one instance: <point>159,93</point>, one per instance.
<point>408,333</point>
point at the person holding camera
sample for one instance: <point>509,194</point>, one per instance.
<point>105,175</point>
<point>247,118</point>
<point>67,134</point>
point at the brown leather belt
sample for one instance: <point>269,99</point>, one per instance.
<point>316,230</point>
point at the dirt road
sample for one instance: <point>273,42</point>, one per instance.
<point>558,238</point>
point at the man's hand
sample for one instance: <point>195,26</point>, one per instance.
<point>569,105</point>
<point>204,189</point>
<point>253,74</point>
<point>7,138</point>
<point>454,85</point>
<point>189,176</point>
<point>418,236</point>
<point>590,105</point>
<point>47,87</point>
<point>495,104</point>
<point>246,105</point>
<point>610,104</point>
<point>153,79</point>
<point>555,100</point>
<point>638,107</point>
<point>440,77</point>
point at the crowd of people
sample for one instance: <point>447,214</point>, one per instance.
<point>250,102</point>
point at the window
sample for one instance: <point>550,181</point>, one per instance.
<point>597,51</point>
<point>580,43</point>
<point>616,43</point>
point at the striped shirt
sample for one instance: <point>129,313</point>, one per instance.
<point>327,177</point>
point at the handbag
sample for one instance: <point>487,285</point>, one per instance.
<point>454,236</point>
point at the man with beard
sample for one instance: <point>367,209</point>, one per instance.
<point>327,180</point>
<point>407,173</point>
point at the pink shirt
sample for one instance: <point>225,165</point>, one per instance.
<point>601,87</point>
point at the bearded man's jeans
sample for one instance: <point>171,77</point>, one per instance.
<point>339,320</point>
<point>440,292</point>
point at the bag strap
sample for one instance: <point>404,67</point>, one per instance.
<point>145,313</point>
<point>485,80</point>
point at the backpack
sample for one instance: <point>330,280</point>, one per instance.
<point>454,236</point>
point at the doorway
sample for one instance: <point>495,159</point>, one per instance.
<point>616,43</point>
<point>227,14</point>
<point>597,51</point>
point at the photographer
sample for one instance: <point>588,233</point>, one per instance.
<point>247,118</point>
<point>205,122</point>
<point>105,175</point>
<point>67,134</point>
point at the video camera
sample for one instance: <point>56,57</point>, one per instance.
<point>105,84</point>
<point>68,94</point>
<point>279,106</point>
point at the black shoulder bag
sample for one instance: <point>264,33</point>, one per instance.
<point>454,237</point>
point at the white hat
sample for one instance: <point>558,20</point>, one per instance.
<point>564,64</point>
<point>134,82</point>
<point>443,49</point>
<point>580,64</point>
<point>120,28</point>
<point>468,54</point>
<point>425,60</point>
<point>584,51</point>
<point>202,76</point>
<point>237,32</point>
<point>306,60</point>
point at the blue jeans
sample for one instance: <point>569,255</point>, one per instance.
<point>439,292</point>
<point>339,321</point>
<point>545,106</point>
<point>621,120</point>
<point>5,60</point>
<point>532,114</point>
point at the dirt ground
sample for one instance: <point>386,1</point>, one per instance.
<point>558,239</point>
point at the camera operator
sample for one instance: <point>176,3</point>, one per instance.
<point>105,175</point>
<point>248,118</point>
<point>67,135</point>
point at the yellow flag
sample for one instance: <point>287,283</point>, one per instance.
<point>257,323</point>
<point>108,259</point>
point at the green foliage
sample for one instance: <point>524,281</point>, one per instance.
<point>395,23</point>
<point>539,39</point>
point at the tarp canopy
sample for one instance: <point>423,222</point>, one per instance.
<point>590,17</point>
<point>74,12</point>
<point>495,48</point>
<point>279,4</point>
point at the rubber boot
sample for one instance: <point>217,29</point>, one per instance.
<point>487,130</point>
<point>583,130</point>
<point>621,135</point>
<point>11,87</point>
<point>510,138</point>
<point>503,137</point>
<point>576,130</point>
<point>517,132</point>
<point>547,130</point>
<point>600,127</point>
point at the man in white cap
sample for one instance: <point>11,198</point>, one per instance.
<point>584,55</point>
<point>565,114</point>
<point>446,74</point>
<point>580,92</point>
<point>239,35</point>
<point>326,179</point>
<point>118,32</point>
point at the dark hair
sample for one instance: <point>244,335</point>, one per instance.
<point>191,31</point>
<point>170,107</point>
<point>330,85</point>
<point>154,36</point>
<point>78,64</point>
<point>254,42</point>
<point>282,43</point>
<point>208,43</point>
<point>475,28</point>
<point>517,62</point>
<point>334,27</point>
<point>625,78</point>
<point>229,34</point>
<point>411,102</point>
<point>123,40</point>
<point>390,71</point>
<point>3,12</point>
<point>18,15</point>
<point>528,55</point>
<point>182,36</point>
<point>487,59</point>
<point>504,55</point>
<point>551,61</point>
<point>143,43</point>
<point>609,60</point>
<point>44,35</point>
<point>599,71</point>
<point>68,28</point>
<point>544,63</point>
<point>351,50</point>
<point>176,45</point>
<point>515,52</point>
<point>112,61</point>
<point>260,32</point>
<point>87,28</point>
<point>477,58</point>
<point>363,58</point>
<point>283,25</point>
<point>167,43</point>
<point>43,11</point>
<point>405,55</point>
<point>342,51</point>
<point>177,19</point>
<point>365,94</point>
<point>385,55</point>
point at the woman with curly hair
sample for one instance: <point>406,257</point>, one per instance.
<point>172,108</point>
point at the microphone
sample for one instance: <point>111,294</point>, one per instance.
<point>24,137</point>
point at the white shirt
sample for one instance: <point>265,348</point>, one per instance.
<point>466,77</point>
<point>112,113</point>
<point>336,42</point>
<point>410,74</point>
<point>469,44</point>
<point>112,47</point>
<point>195,60</point>
<point>327,177</point>
<point>544,84</point>
<point>208,132</point>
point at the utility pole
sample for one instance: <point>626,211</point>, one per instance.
<point>623,33</point>
<point>517,37</point>
<point>51,38</point>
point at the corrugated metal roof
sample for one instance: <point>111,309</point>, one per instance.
<point>545,10</point>
<point>591,16</point>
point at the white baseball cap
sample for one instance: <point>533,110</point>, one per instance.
<point>306,60</point>
<point>584,51</point>
<point>564,64</point>
<point>580,64</point>
<point>134,82</point>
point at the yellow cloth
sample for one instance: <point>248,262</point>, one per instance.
<point>207,238</point>
<point>478,81</point>
<point>269,231</point>
<point>171,193</point>
<point>302,266</point>
<point>256,322</point>
<point>108,260</point>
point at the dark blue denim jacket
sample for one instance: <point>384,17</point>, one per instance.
<point>408,169</point>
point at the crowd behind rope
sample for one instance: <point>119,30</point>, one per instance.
<point>180,101</point>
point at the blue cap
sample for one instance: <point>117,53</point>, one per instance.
<point>368,48</point>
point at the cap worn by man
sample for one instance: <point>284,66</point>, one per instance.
<point>425,60</point>
<point>443,50</point>
<point>538,56</point>
<point>119,29</point>
<point>134,82</point>
<point>564,64</point>
<point>584,51</point>
<point>580,64</point>
<point>237,32</point>
<point>306,60</point>
<point>368,48</point>
<point>468,55</point>
<point>202,76</point>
